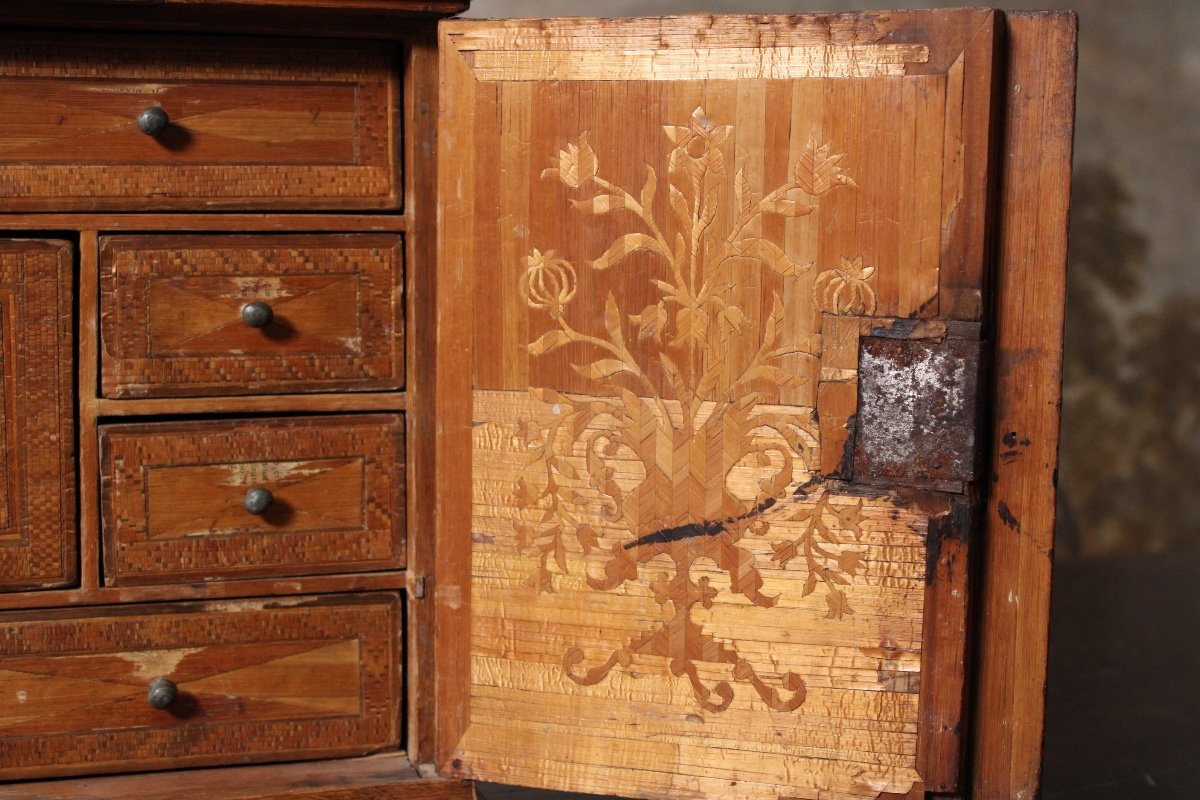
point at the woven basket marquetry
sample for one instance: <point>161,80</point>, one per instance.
<point>171,314</point>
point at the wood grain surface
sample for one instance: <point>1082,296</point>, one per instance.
<point>1032,256</point>
<point>647,246</point>
<point>172,498</point>
<point>301,124</point>
<point>37,459</point>
<point>387,776</point>
<point>258,680</point>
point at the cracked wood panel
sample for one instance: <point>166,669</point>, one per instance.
<point>37,490</point>
<point>253,124</point>
<point>171,322</point>
<point>258,680</point>
<point>654,250</point>
<point>171,498</point>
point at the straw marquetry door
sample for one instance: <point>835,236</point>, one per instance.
<point>717,292</point>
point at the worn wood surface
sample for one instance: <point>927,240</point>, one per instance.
<point>451,394</point>
<point>1017,559</point>
<point>88,390</point>
<point>258,680</point>
<point>212,221</point>
<point>306,124</point>
<point>172,498</point>
<point>946,631</point>
<point>380,777</point>
<point>96,595</point>
<point>421,98</point>
<point>171,314</point>
<point>37,472</point>
<point>655,584</point>
<point>254,404</point>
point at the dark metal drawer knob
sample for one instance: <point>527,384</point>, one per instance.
<point>257,314</point>
<point>153,121</point>
<point>163,692</point>
<point>258,500</point>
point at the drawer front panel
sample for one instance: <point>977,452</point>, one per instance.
<point>37,473</point>
<point>250,123</point>
<point>178,499</point>
<point>254,680</point>
<point>175,314</point>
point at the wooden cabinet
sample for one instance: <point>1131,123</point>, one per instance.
<point>656,407</point>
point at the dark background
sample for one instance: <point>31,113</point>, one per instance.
<point>1124,684</point>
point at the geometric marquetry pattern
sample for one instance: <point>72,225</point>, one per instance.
<point>171,314</point>
<point>173,492</point>
<point>37,476</point>
<point>252,124</point>
<point>257,680</point>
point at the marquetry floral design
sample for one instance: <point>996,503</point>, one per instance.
<point>548,283</point>
<point>714,461</point>
<point>846,289</point>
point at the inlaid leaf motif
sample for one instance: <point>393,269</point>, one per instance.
<point>770,254</point>
<point>622,247</point>
<point>838,607</point>
<point>651,321</point>
<point>600,204</point>
<point>604,368</point>
<point>819,169</point>
<point>646,198</point>
<point>788,208</point>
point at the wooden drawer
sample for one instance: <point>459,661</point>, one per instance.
<point>256,680</point>
<point>174,498</point>
<point>174,314</point>
<point>252,123</point>
<point>37,458</point>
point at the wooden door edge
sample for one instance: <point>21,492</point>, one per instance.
<point>1010,677</point>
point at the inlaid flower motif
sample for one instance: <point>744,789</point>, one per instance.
<point>576,165</point>
<point>846,288</point>
<point>548,283</point>
<point>700,137</point>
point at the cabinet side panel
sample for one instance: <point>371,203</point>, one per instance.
<point>1031,286</point>
<point>451,390</point>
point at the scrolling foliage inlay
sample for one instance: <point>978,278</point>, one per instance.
<point>712,417</point>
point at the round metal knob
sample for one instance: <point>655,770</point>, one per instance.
<point>257,314</point>
<point>153,121</point>
<point>258,500</point>
<point>163,692</point>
